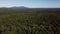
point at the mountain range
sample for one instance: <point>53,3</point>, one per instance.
<point>38,9</point>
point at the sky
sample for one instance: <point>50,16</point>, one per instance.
<point>31,3</point>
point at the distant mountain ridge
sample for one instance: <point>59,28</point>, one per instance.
<point>31,9</point>
<point>19,7</point>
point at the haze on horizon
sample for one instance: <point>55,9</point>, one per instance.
<point>31,3</point>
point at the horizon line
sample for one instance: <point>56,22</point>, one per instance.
<point>29,7</point>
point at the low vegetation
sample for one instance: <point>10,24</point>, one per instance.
<point>29,23</point>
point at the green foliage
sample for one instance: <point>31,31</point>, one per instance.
<point>29,23</point>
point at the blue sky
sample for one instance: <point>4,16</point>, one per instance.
<point>31,3</point>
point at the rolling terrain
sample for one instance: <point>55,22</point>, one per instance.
<point>29,20</point>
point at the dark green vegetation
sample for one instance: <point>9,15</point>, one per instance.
<point>29,22</point>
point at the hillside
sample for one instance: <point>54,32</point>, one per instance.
<point>29,21</point>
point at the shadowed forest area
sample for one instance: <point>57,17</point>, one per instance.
<point>30,21</point>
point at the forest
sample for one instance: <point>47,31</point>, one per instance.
<point>29,21</point>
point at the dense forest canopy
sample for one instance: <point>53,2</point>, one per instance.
<point>29,20</point>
